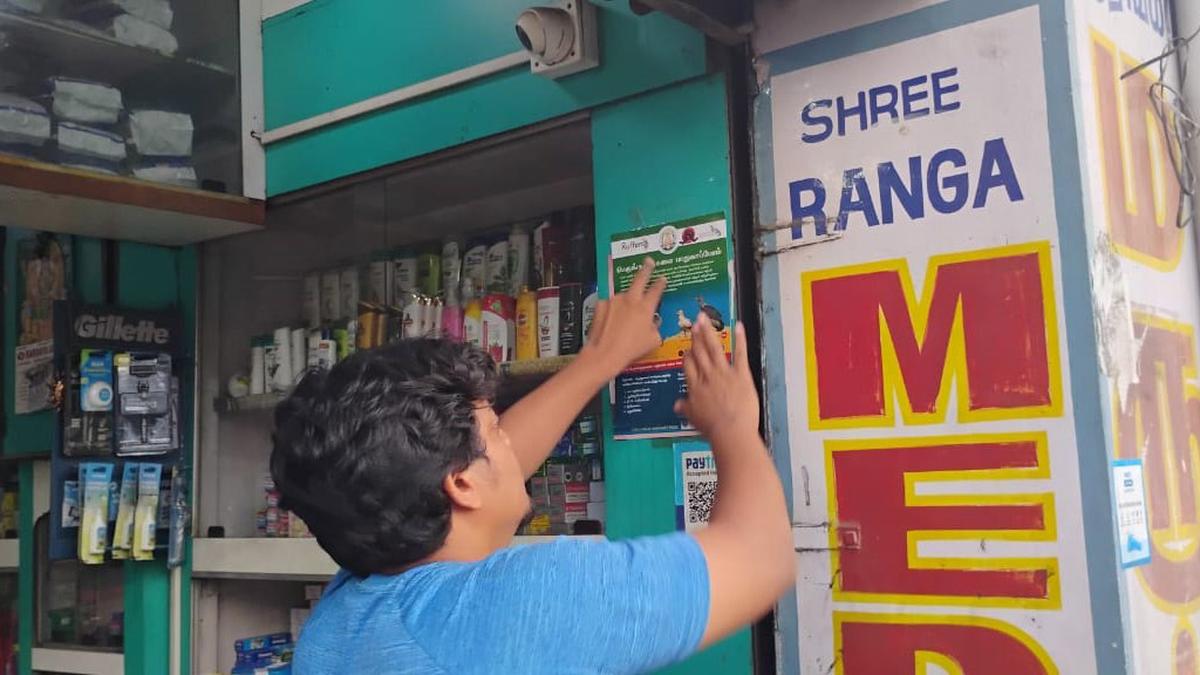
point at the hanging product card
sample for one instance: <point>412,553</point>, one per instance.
<point>34,377</point>
<point>1133,530</point>
<point>694,255</point>
<point>695,485</point>
<point>42,278</point>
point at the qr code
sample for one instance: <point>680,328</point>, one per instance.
<point>698,502</point>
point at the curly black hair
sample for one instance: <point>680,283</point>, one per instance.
<point>361,452</point>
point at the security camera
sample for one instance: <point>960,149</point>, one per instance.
<point>560,39</point>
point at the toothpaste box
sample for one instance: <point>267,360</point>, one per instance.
<point>569,472</point>
<point>573,513</point>
<point>597,511</point>
<point>252,644</point>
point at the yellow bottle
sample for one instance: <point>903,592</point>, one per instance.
<point>473,320</point>
<point>527,328</point>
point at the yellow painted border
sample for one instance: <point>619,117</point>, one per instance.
<point>1182,626</point>
<point>1040,471</point>
<point>1123,60</point>
<point>1189,375</point>
<point>1039,652</point>
<point>956,350</point>
<point>923,659</point>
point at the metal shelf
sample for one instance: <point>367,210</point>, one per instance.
<point>278,559</point>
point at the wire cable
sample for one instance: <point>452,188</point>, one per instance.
<point>1179,124</point>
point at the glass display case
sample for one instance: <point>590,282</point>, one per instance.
<point>78,606</point>
<point>146,89</point>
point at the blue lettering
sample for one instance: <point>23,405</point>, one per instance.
<point>878,106</point>
<point>859,111</point>
<point>891,186</point>
<point>943,183</point>
<point>802,211</point>
<point>913,95</point>
<point>856,196</point>
<point>822,121</point>
<point>997,171</point>
<point>1139,9</point>
<point>942,88</point>
<point>959,183</point>
<point>1156,16</point>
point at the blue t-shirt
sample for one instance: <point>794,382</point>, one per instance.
<point>568,607</point>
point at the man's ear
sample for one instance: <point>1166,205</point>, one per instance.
<point>462,487</point>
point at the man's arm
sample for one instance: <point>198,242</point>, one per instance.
<point>622,331</point>
<point>748,543</point>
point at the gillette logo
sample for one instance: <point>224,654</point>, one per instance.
<point>113,327</point>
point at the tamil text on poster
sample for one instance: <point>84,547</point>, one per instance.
<point>694,256</point>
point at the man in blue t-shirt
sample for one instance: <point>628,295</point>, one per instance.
<point>414,485</point>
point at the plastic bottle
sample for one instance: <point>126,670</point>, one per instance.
<point>258,367</point>
<point>518,258</point>
<point>527,325</point>
<point>452,322</point>
<point>473,320</point>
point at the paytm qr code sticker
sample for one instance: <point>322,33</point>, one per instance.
<point>695,485</point>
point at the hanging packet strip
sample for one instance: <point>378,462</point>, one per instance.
<point>123,530</point>
<point>114,500</point>
<point>146,516</point>
<point>70,504</point>
<point>94,478</point>
<point>179,516</point>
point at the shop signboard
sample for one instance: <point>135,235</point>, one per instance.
<point>1148,311</point>
<point>915,316</point>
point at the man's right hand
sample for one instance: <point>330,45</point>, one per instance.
<point>721,400</point>
<point>748,542</point>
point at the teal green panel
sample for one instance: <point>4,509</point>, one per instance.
<point>89,269</point>
<point>148,278</point>
<point>26,569</point>
<point>334,53</point>
<point>147,617</point>
<point>31,434</point>
<point>188,276</point>
<point>659,158</point>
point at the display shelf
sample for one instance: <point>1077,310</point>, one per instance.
<point>261,558</point>
<point>77,661</point>
<point>522,377</point>
<point>82,51</point>
<point>58,199</point>
<point>537,369</point>
<point>277,559</point>
<point>519,378</point>
<point>10,555</point>
<point>255,402</point>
